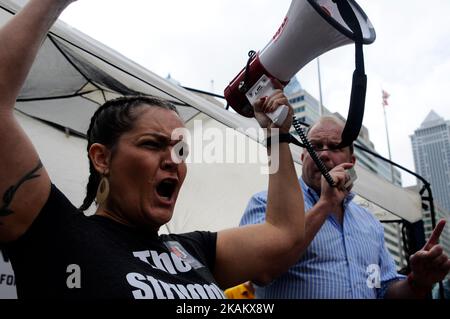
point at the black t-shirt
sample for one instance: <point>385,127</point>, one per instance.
<point>65,254</point>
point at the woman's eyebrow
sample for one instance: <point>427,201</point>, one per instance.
<point>157,135</point>
<point>162,137</point>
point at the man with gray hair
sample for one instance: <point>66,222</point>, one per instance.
<point>344,255</point>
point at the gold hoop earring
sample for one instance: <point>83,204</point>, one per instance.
<point>102,191</point>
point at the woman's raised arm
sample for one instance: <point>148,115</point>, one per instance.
<point>24,183</point>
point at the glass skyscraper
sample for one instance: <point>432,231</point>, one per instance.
<point>431,149</point>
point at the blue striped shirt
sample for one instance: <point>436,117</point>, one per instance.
<point>342,261</point>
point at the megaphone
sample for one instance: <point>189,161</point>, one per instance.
<point>310,28</point>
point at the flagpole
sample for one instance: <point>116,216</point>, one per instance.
<point>320,89</point>
<point>385,96</point>
<point>384,103</point>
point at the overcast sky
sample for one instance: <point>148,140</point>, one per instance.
<point>204,44</point>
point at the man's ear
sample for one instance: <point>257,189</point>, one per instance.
<point>353,159</point>
<point>302,157</point>
<point>100,156</point>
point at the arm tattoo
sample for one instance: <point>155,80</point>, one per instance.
<point>5,257</point>
<point>11,191</point>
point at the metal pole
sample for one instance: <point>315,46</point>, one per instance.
<point>388,144</point>
<point>433,225</point>
<point>397,228</point>
<point>320,89</point>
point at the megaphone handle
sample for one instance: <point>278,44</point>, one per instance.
<point>279,115</point>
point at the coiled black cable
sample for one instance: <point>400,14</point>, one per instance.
<point>301,132</point>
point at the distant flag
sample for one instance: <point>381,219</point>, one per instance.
<point>385,95</point>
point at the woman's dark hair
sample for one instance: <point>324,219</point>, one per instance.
<point>108,123</point>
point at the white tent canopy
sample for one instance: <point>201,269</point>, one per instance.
<point>74,74</point>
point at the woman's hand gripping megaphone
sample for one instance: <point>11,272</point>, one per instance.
<point>265,87</point>
<point>275,104</point>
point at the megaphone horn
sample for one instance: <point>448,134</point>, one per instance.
<point>309,29</point>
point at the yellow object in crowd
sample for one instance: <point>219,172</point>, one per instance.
<point>242,291</point>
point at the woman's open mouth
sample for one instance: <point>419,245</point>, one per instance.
<point>166,189</point>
